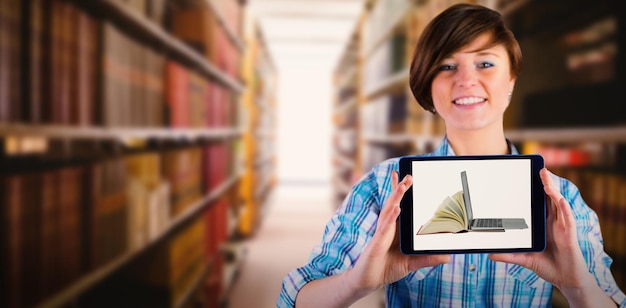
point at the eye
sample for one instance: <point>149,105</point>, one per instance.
<point>484,64</point>
<point>447,67</point>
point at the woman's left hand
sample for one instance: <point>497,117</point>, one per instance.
<point>562,262</point>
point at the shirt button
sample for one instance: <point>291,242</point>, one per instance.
<point>472,267</point>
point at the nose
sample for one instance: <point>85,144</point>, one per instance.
<point>466,77</point>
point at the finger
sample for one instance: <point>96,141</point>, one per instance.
<point>427,261</point>
<point>513,258</point>
<point>562,210</point>
<point>385,212</point>
<point>391,209</point>
<point>565,213</point>
<point>393,202</point>
<point>552,193</point>
<point>394,180</point>
<point>398,191</point>
<point>548,185</point>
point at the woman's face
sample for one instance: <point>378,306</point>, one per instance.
<point>471,89</point>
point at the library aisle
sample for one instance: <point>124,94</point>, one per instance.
<point>297,214</point>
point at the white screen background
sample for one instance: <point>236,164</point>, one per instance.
<point>498,189</point>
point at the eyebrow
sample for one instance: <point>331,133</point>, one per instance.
<point>483,50</point>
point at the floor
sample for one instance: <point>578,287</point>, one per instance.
<point>294,222</point>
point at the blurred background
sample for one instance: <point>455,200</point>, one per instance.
<point>188,153</point>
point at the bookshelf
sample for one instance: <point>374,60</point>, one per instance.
<point>259,136</point>
<point>122,142</point>
<point>570,54</point>
<point>96,276</point>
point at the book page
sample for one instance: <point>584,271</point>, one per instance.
<point>449,217</point>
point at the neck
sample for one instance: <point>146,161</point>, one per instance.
<point>478,142</point>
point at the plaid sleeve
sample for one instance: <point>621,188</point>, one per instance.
<point>345,235</point>
<point>591,242</point>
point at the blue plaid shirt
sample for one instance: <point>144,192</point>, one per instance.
<point>469,280</point>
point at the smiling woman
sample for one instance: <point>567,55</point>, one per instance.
<point>465,64</point>
<point>471,89</point>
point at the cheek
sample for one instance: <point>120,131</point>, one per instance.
<point>439,90</point>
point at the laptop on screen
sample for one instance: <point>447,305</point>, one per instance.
<point>487,224</point>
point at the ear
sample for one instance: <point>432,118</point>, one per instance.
<point>512,83</point>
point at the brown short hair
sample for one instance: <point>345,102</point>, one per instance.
<point>450,31</point>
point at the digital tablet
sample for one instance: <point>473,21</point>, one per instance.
<point>473,204</point>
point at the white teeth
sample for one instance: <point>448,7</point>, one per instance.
<point>469,100</point>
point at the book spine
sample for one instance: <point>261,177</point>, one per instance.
<point>50,230</point>
<point>11,238</point>
<point>10,60</point>
<point>70,202</point>
<point>86,32</point>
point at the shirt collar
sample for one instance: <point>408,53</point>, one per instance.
<point>445,149</point>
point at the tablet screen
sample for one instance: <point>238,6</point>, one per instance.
<point>466,204</point>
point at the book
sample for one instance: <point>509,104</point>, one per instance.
<point>450,216</point>
<point>85,73</point>
<point>10,60</point>
<point>106,214</point>
<point>176,94</point>
<point>172,267</point>
<point>48,195</point>
<point>35,65</point>
<point>69,202</point>
<point>195,26</point>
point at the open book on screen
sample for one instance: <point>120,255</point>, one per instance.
<point>455,215</point>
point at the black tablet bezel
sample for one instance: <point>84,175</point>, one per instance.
<point>538,206</point>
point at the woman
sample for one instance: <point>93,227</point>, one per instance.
<point>464,69</point>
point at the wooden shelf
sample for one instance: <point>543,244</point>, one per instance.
<point>397,80</point>
<point>569,135</point>
<point>197,282</point>
<point>92,278</point>
<point>135,22</point>
<point>115,133</point>
<point>552,135</point>
<point>346,106</point>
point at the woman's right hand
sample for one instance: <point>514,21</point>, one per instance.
<point>382,262</point>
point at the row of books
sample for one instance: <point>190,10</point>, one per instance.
<point>188,268</point>
<point>387,59</point>
<point>380,20</point>
<point>61,65</point>
<point>61,223</point>
<point>385,114</point>
<point>198,26</point>
<point>132,87</point>
<point>196,102</point>
<point>564,156</point>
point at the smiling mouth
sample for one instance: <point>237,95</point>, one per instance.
<point>469,101</point>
